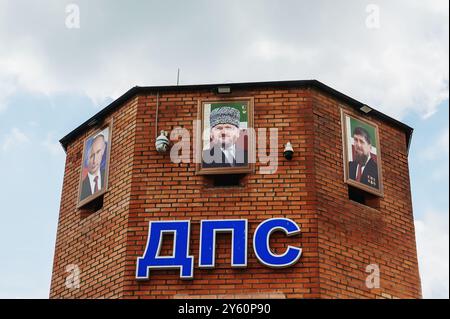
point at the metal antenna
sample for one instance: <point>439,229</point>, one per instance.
<point>178,76</point>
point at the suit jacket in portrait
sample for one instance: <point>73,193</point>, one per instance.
<point>86,190</point>
<point>222,161</point>
<point>369,175</point>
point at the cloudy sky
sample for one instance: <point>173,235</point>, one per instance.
<point>54,74</point>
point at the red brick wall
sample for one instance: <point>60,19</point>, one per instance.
<point>96,243</point>
<point>162,190</point>
<point>339,237</point>
<point>352,235</point>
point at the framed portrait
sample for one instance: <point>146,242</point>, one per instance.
<point>362,155</point>
<point>95,165</point>
<point>226,143</point>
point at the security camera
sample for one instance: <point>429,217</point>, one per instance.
<point>288,151</point>
<point>162,143</point>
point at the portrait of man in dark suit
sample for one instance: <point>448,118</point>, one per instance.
<point>95,178</point>
<point>363,168</point>
<point>224,151</point>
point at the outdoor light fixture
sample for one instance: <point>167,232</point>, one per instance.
<point>224,89</point>
<point>93,122</point>
<point>288,151</point>
<point>162,142</point>
<point>366,109</point>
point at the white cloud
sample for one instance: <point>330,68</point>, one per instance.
<point>271,50</point>
<point>401,66</point>
<point>6,89</point>
<point>52,145</point>
<point>432,233</point>
<point>438,152</point>
<point>439,146</point>
<point>14,138</point>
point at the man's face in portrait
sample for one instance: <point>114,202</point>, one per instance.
<point>96,154</point>
<point>362,148</point>
<point>224,135</point>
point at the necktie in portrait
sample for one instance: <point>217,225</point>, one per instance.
<point>359,173</point>
<point>96,184</point>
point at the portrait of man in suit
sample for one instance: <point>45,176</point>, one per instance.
<point>363,168</point>
<point>224,151</point>
<point>94,170</point>
<point>362,156</point>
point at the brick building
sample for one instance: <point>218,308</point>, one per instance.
<point>344,229</point>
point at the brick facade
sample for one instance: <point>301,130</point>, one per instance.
<point>339,237</point>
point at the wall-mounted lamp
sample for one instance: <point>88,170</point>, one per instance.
<point>93,122</point>
<point>162,142</point>
<point>288,151</point>
<point>365,108</point>
<point>223,89</point>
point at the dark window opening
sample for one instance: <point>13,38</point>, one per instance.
<point>92,207</point>
<point>363,197</point>
<point>225,180</point>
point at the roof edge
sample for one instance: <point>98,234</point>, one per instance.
<point>278,84</point>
